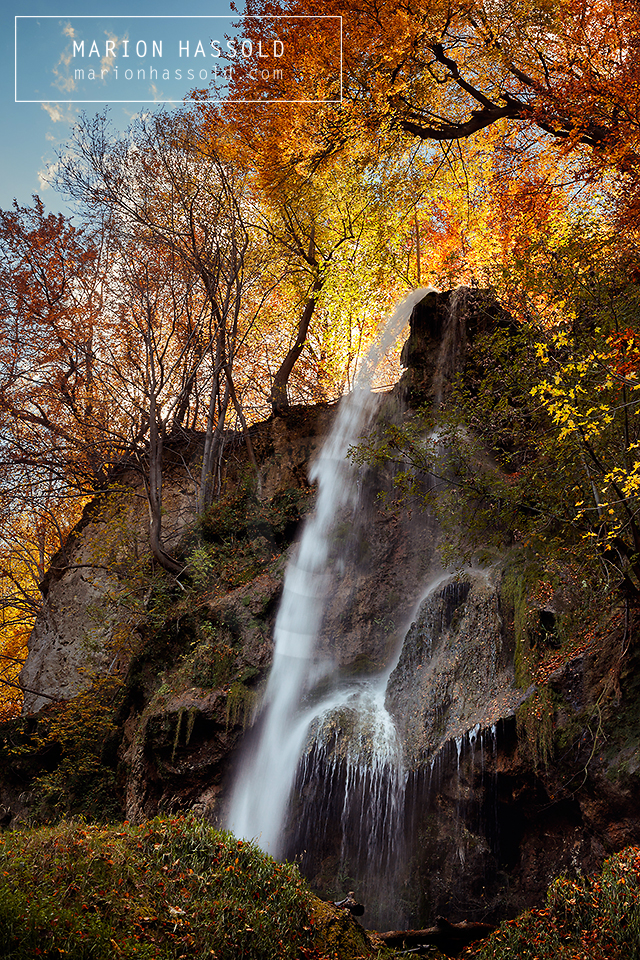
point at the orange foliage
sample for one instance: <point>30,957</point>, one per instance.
<point>441,72</point>
<point>625,358</point>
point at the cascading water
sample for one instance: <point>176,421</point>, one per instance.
<point>260,797</point>
<point>350,795</point>
<point>341,772</point>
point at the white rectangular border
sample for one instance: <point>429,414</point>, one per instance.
<point>170,16</point>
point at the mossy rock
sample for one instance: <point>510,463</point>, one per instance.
<point>339,934</point>
<point>240,516</point>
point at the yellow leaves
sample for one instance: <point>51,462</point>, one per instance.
<point>13,651</point>
<point>568,392</point>
<point>627,480</point>
<point>542,353</point>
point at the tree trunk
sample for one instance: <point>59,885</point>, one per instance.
<point>278,398</point>
<point>213,438</point>
<point>245,430</point>
<point>449,937</point>
<point>154,493</point>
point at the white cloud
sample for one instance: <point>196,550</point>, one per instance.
<point>54,110</point>
<point>107,61</point>
<point>47,176</point>
<point>63,79</point>
<point>61,112</point>
<point>65,84</point>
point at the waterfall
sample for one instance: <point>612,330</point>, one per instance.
<point>349,798</point>
<point>350,794</point>
<point>261,794</point>
<point>367,762</point>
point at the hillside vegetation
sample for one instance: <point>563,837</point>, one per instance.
<point>169,889</point>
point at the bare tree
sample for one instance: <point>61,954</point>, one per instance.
<point>166,196</point>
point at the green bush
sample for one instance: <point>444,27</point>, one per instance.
<point>588,918</point>
<point>168,889</point>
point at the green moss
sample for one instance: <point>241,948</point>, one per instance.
<point>536,726</point>
<point>191,714</point>
<point>517,580</point>
<point>160,891</point>
<point>211,665</point>
<point>340,935</point>
<point>531,628</point>
<point>240,536</point>
<point>240,516</point>
<point>241,702</point>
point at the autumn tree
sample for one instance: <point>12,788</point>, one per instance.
<point>49,459</point>
<point>69,368</point>
<point>328,233</point>
<point>582,308</point>
<point>544,87</point>
<point>320,227</point>
<point>162,191</point>
<point>150,355</point>
<point>49,298</point>
<point>34,522</point>
<point>443,72</point>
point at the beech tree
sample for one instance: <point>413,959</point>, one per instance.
<point>149,361</point>
<point>319,227</point>
<point>545,88</point>
<point>445,71</point>
<point>50,296</point>
<point>161,190</point>
<point>329,232</point>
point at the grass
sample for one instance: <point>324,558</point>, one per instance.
<point>169,889</point>
<point>177,888</point>
<point>588,918</point>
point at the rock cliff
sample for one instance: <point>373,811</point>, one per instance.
<point>509,779</point>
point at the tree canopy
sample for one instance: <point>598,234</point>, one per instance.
<point>230,260</point>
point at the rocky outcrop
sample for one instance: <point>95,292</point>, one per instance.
<point>442,326</point>
<point>178,744</point>
<point>455,671</point>
<point>501,810</point>
<point>89,624</point>
<point>507,781</point>
<point>93,615</point>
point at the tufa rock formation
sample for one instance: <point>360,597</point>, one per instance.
<point>507,784</point>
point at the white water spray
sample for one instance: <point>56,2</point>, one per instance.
<point>261,794</point>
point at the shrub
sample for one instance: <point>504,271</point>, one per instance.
<point>588,918</point>
<point>168,889</point>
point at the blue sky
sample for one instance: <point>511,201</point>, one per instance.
<point>32,132</point>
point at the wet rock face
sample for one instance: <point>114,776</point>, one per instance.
<point>452,684</point>
<point>421,350</point>
<point>385,558</point>
<point>455,670</point>
<point>288,445</point>
<point>177,755</point>
<point>491,826</point>
<point>488,834</point>
<point>442,326</point>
